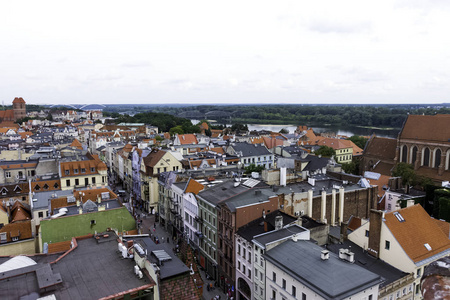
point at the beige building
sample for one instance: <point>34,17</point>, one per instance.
<point>408,239</point>
<point>152,165</point>
<point>85,171</point>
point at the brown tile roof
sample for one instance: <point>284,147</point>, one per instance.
<point>25,134</point>
<point>430,128</point>
<point>46,185</point>
<point>194,187</point>
<point>59,247</point>
<point>19,212</point>
<point>256,140</point>
<point>93,194</point>
<point>445,226</point>
<point>23,228</point>
<point>383,148</point>
<point>76,143</point>
<point>181,287</point>
<point>218,150</point>
<point>384,168</point>
<point>19,165</point>
<point>153,158</point>
<point>187,139</point>
<point>18,100</point>
<point>417,230</point>
<point>59,203</point>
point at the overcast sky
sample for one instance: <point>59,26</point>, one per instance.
<point>213,52</point>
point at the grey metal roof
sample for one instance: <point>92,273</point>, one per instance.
<point>251,196</point>
<point>277,235</point>
<point>250,149</point>
<point>42,198</point>
<point>221,192</point>
<point>368,262</point>
<point>332,278</point>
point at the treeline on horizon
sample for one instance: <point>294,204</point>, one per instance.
<point>386,116</point>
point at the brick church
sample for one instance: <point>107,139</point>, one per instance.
<point>19,111</point>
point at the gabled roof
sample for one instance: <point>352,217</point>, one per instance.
<point>430,128</point>
<point>76,143</point>
<point>383,148</point>
<point>417,230</point>
<point>194,187</point>
<point>250,150</point>
<point>13,229</point>
<point>18,100</point>
<point>186,139</point>
<point>153,158</point>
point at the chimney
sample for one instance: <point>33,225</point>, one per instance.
<point>310,203</point>
<point>80,210</point>
<point>265,225</point>
<point>99,199</point>
<point>264,214</point>
<point>323,207</point>
<point>283,176</point>
<point>325,254</point>
<point>278,222</point>
<point>294,238</point>
<point>78,203</point>
<point>376,220</point>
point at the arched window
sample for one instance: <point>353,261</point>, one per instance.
<point>437,158</point>
<point>404,153</point>
<point>414,155</point>
<point>426,157</point>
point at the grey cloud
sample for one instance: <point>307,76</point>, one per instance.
<point>136,64</point>
<point>338,26</point>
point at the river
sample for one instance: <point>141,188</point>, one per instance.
<point>339,130</point>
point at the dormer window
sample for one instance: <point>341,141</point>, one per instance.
<point>67,172</point>
<point>45,186</point>
<point>56,185</point>
<point>92,170</point>
<point>4,191</point>
<point>83,170</point>
<point>37,187</point>
<point>75,171</point>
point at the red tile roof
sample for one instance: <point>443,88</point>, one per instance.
<point>18,100</point>
<point>417,230</point>
<point>429,128</point>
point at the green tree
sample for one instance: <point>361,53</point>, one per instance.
<point>176,130</point>
<point>359,141</point>
<point>158,138</point>
<point>284,131</point>
<point>406,172</point>
<point>325,151</point>
<point>253,168</point>
<point>351,168</point>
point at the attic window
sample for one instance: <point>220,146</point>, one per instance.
<point>67,172</point>
<point>427,246</point>
<point>4,191</point>
<point>56,185</point>
<point>75,171</point>
<point>45,186</point>
<point>399,217</point>
<point>17,189</point>
<point>37,187</point>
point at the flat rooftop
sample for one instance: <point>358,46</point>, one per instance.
<point>91,271</point>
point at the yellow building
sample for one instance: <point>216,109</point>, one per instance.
<point>345,149</point>
<point>85,171</point>
<point>152,165</point>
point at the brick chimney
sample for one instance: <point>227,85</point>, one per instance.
<point>376,219</point>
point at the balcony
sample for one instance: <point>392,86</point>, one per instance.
<point>199,234</point>
<point>198,220</point>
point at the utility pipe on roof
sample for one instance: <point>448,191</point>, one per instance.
<point>323,207</point>
<point>341,205</point>
<point>310,203</point>
<point>333,207</point>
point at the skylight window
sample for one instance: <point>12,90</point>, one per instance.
<point>399,217</point>
<point>427,246</point>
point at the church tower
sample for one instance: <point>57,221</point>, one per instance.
<point>19,108</point>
